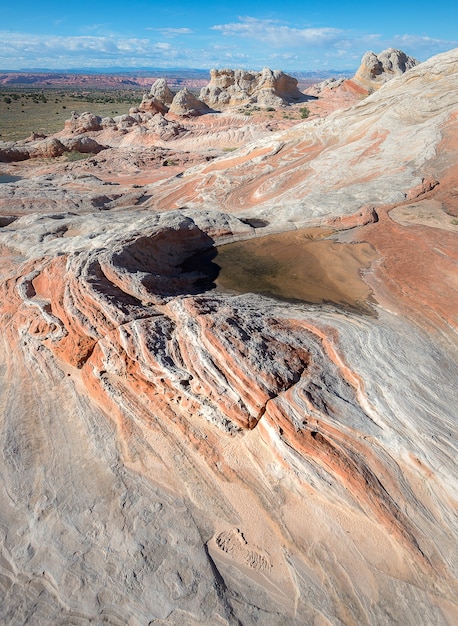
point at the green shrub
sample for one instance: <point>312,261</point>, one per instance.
<point>304,112</point>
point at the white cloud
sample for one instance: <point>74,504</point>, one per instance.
<point>345,47</point>
<point>54,52</point>
<point>172,32</point>
<point>422,42</point>
<point>274,33</point>
<point>249,43</point>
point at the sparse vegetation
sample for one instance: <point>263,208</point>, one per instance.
<point>454,222</point>
<point>76,156</point>
<point>304,111</point>
<point>24,110</point>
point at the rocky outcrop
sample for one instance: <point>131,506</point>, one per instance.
<point>47,148</point>
<point>325,86</point>
<point>374,71</point>
<point>377,69</point>
<point>65,193</point>
<point>163,100</point>
<point>381,170</point>
<point>161,91</point>
<point>41,149</point>
<point>83,144</point>
<point>83,122</point>
<point>159,98</point>
<point>186,104</point>
<point>236,87</point>
<point>227,88</point>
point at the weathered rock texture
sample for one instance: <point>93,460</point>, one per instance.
<point>178,455</point>
<point>227,88</point>
<point>161,91</point>
<point>185,103</point>
<point>235,87</point>
<point>374,71</point>
<point>159,98</point>
<point>377,69</point>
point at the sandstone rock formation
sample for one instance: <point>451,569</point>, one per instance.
<point>159,98</point>
<point>374,71</point>
<point>186,126</point>
<point>184,103</point>
<point>83,123</point>
<point>377,69</point>
<point>235,87</point>
<point>47,148</point>
<point>179,454</point>
<point>227,88</point>
<point>161,91</point>
<point>82,143</point>
<point>325,85</point>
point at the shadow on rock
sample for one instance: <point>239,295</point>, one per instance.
<point>175,260</point>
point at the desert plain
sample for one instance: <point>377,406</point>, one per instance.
<point>229,367</point>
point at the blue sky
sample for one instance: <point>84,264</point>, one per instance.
<point>284,34</point>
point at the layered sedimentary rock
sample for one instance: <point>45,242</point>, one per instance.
<point>345,164</point>
<point>188,128</point>
<point>173,453</point>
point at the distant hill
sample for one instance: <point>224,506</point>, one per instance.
<point>124,78</point>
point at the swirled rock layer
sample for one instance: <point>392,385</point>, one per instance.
<point>171,453</point>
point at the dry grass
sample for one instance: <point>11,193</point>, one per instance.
<point>27,110</point>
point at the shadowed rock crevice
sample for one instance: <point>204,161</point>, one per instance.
<point>157,265</point>
<point>255,222</point>
<point>6,220</point>
<point>222,591</point>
